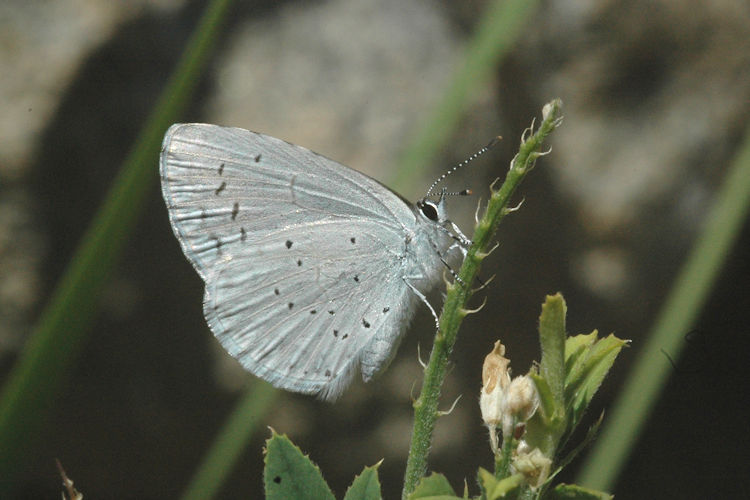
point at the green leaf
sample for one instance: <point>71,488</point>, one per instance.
<point>486,479</point>
<point>586,373</point>
<point>290,474</point>
<point>366,486</point>
<point>574,492</point>
<point>575,345</point>
<point>547,425</point>
<point>552,339</point>
<point>548,408</point>
<point>495,489</point>
<point>433,487</point>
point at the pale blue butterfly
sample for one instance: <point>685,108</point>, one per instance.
<point>312,269</point>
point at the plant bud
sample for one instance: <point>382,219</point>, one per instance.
<point>520,402</point>
<point>533,465</point>
<point>495,379</point>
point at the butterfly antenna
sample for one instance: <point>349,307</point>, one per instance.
<point>465,192</point>
<point>465,162</point>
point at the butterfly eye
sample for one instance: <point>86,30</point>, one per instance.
<point>429,210</point>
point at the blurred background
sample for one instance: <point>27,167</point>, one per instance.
<point>656,97</point>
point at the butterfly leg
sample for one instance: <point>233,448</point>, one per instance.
<point>460,240</point>
<point>450,269</point>
<point>461,237</point>
<point>445,262</point>
<point>423,299</point>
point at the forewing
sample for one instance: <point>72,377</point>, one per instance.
<point>225,186</point>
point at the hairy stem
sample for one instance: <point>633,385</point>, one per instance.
<point>459,293</point>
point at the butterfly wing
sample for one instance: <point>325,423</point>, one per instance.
<point>303,258</point>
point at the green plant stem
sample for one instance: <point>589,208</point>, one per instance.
<point>64,324</point>
<point>454,308</point>
<point>503,459</point>
<point>684,303</point>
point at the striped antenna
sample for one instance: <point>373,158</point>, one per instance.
<point>465,162</point>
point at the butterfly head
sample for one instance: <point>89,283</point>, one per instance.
<point>436,210</point>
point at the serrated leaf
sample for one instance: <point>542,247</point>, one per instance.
<point>290,474</point>
<point>552,340</point>
<point>587,374</point>
<point>575,345</point>
<point>575,492</point>
<point>433,487</point>
<point>366,486</point>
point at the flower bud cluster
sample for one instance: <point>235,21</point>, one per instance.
<point>505,402</point>
<point>532,464</point>
<point>508,404</point>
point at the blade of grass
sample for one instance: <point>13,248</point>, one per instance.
<point>685,302</point>
<point>64,324</point>
<point>498,28</point>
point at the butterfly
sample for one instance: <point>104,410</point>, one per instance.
<point>312,270</point>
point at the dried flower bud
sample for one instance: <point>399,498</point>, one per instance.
<point>495,379</point>
<point>520,402</point>
<point>533,465</point>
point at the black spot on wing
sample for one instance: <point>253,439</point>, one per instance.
<point>257,158</point>
<point>221,169</point>
<point>288,243</point>
<point>243,234</point>
<point>221,188</point>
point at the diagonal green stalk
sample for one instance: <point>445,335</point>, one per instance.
<point>685,301</point>
<point>64,324</point>
<point>459,293</point>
